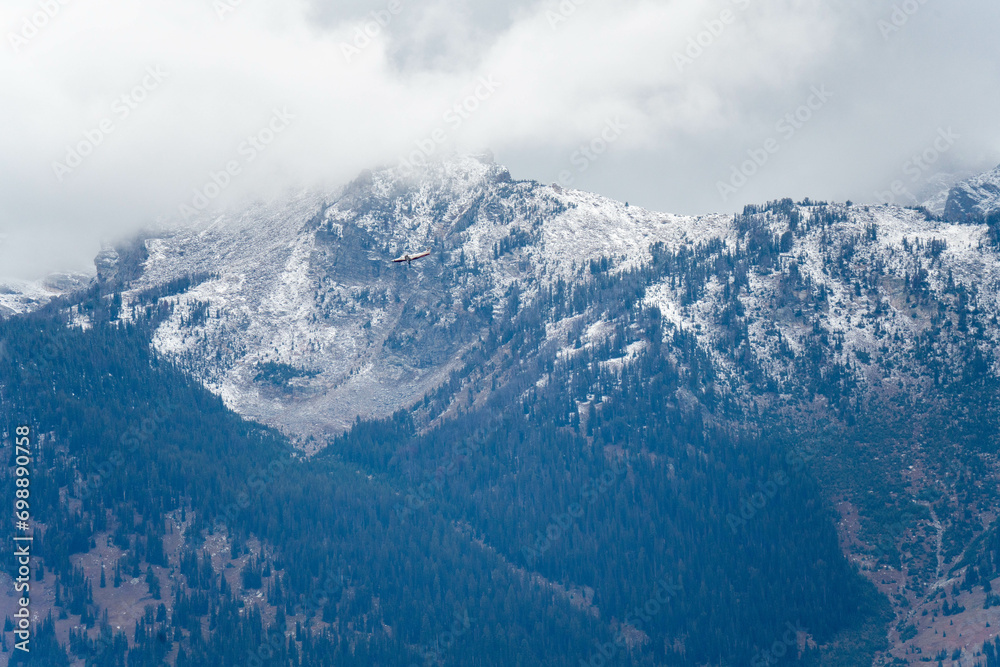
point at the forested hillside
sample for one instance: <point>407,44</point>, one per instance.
<point>598,505</point>
<point>578,433</point>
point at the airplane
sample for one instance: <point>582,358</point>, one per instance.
<point>409,258</point>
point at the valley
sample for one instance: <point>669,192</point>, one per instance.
<point>550,334</point>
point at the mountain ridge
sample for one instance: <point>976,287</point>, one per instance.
<point>553,333</point>
<point>301,282</point>
<point>800,308</point>
<point>974,198</point>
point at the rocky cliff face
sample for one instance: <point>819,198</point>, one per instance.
<point>296,316</point>
<point>974,198</point>
<point>292,311</point>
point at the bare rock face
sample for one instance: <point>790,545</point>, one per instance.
<point>106,263</point>
<point>975,198</point>
<point>294,314</point>
<point>122,263</point>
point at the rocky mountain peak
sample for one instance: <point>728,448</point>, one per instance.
<point>975,198</point>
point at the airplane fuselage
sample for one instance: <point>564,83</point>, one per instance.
<point>408,258</point>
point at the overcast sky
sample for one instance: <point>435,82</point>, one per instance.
<point>683,92</point>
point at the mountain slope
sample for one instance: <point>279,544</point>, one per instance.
<point>305,284</point>
<point>22,296</point>
<point>410,533</point>
<point>296,319</point>
<point>975,198</point>
<point>769,383</point>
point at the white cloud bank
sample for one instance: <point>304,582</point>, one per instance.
<point>117,113</point>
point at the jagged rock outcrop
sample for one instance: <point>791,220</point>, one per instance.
<point>975,198</point>
<point>291,311</point>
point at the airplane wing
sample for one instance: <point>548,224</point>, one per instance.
<point>410,258</point>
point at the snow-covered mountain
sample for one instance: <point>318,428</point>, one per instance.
<point>291,311</point>
<point>306,283</point>
<point>22,296</point>
<point>976,197</point>
<point>934,194</point>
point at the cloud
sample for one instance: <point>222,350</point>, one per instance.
<point>697,85</point>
